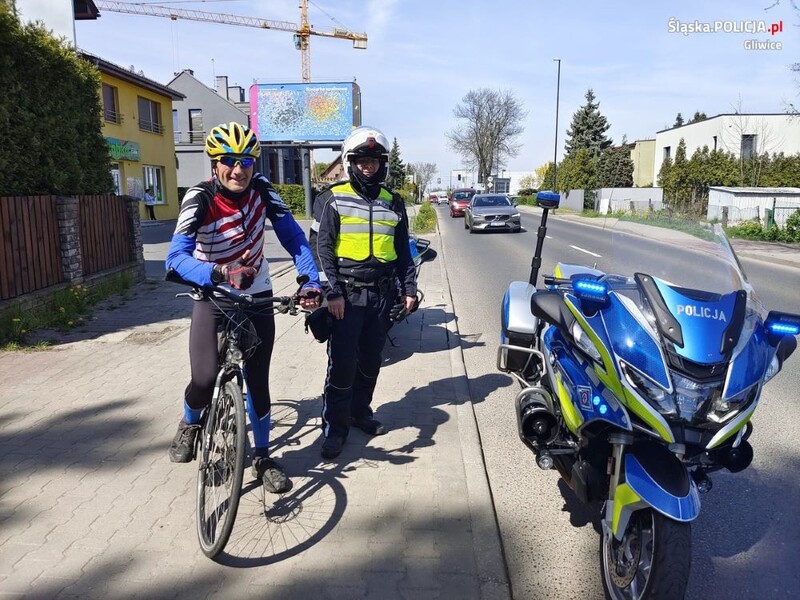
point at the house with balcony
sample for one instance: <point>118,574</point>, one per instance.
<point>201,109</point>
<point>139,134</point>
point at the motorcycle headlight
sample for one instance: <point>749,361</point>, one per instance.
<point>691,395</point>
<point>773,368</point>
<point>724,409</point>
<point>661,400</point>
<point>584,343</point>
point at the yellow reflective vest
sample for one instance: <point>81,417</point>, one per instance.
<point>366,229</point>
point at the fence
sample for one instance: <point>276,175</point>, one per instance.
<point>30,249</point>
<point>51,240</point>
<point>104,233</point>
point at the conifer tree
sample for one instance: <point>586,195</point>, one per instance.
<point>588,129</point>
<point>397,170</point>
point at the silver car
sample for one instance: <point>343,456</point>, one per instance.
<point>492,211</point>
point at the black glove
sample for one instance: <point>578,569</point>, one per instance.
<point>399,311</point>
<point>239,275</point>
<point>320,323</point>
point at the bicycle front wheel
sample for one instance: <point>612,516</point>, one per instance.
<point>219,478</point>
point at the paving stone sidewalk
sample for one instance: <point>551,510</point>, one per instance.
<point>90,506</point>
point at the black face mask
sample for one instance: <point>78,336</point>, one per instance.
<point>368,186</point>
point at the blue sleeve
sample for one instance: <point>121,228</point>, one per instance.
<point>185,264</point>
<point>293,239</point>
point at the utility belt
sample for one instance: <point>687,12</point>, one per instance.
<point>383,284</point>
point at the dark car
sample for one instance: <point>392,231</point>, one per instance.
<point>459,200</point>
<point>493,212</point>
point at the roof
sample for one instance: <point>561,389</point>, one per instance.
<point>110,68</point>
<point>737,115</point>
<point>781,191</point>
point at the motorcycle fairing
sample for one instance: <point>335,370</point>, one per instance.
<point>703,323</point>
<point>610,376</point>
<point>582,398</point>
<point>664,485</point>
<point>634,344</point>
<point>749,364</point>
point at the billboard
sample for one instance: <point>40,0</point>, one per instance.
<point>293,112</point>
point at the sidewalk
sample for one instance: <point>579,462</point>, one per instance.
<point>92,508</point>
<point>771,252</point>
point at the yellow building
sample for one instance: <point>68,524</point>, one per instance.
<point>643,155</point>
<point>137,125</point>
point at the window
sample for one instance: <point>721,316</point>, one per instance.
<point>110,104</point>
<point>176,131</point>
<point>667,152</point>
<point>154,177</point>
<point>748,146</point>
<point>196,131</point>
<point>149,115</point>
<point>116,177</point>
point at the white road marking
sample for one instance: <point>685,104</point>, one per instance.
<point>586,251</point>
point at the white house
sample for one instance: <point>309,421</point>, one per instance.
<point>741,134</point>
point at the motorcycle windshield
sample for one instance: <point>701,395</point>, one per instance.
<point>694,275</point>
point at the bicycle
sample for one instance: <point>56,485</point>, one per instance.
<point>223,438</point>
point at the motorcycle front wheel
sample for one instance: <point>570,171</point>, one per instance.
<point>650,562</point>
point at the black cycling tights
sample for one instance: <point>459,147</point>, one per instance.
<point>204,360</point>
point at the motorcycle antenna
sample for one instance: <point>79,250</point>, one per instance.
<point>545,201</point>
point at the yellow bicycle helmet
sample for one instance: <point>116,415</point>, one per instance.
<point>232,139</point>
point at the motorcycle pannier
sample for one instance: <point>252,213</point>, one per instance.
<point>518,324</point>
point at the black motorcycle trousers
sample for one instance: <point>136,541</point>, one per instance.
<point>354,360</point>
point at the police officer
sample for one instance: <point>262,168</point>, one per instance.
<point>362,244</point>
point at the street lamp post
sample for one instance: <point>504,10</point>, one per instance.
<point>555,143</point>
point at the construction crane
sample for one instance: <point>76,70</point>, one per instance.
<point>302,32</point>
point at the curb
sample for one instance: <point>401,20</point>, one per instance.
<point>490,559</point>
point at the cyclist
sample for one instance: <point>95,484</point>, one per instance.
<point>219,240</point>
<point>362,243</point>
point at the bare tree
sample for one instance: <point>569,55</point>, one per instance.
<point>749,137</point>
<point>424,172</point>
<point>489,123</point>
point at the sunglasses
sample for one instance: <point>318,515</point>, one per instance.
<point>232,161</point>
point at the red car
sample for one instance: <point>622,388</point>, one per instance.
<point>460,200</point>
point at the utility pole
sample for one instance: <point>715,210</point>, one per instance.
<point>555,143</point>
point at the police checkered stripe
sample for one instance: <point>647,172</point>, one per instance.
<point>359,228</point>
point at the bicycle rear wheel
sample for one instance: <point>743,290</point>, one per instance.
<point>219,478</point>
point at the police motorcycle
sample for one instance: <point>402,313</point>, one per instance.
<point>638,382</point>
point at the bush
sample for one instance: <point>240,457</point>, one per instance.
<point>749,230</point>
<point>49,94</point>
<point>425,221</point>
<point>792,231</point>
<point>294,196</point>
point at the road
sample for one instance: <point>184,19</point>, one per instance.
<point>745,539</point>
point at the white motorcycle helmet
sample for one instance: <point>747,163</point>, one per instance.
<point>366,141</point>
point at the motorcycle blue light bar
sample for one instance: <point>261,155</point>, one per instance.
<point>588,289</point>
<point>784,328</point>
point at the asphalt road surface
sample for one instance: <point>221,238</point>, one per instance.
<point>745,541</point>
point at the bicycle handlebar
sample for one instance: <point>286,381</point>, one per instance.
<point>287,304</point>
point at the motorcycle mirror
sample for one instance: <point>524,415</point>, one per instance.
<point>548,199</point>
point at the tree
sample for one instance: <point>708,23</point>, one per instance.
<point>489,124</point>
<point>615,167</point>
<point>588,129</point>
<point>678,120</point>
<point>319,169</point>
<point>424,172</point>
<point>698,116</point>
<point>528,183</point>
<point>544,174</point>
<point>579,172</point>
<point>397,170</point>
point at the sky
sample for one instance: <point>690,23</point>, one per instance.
<point>423,56</point>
